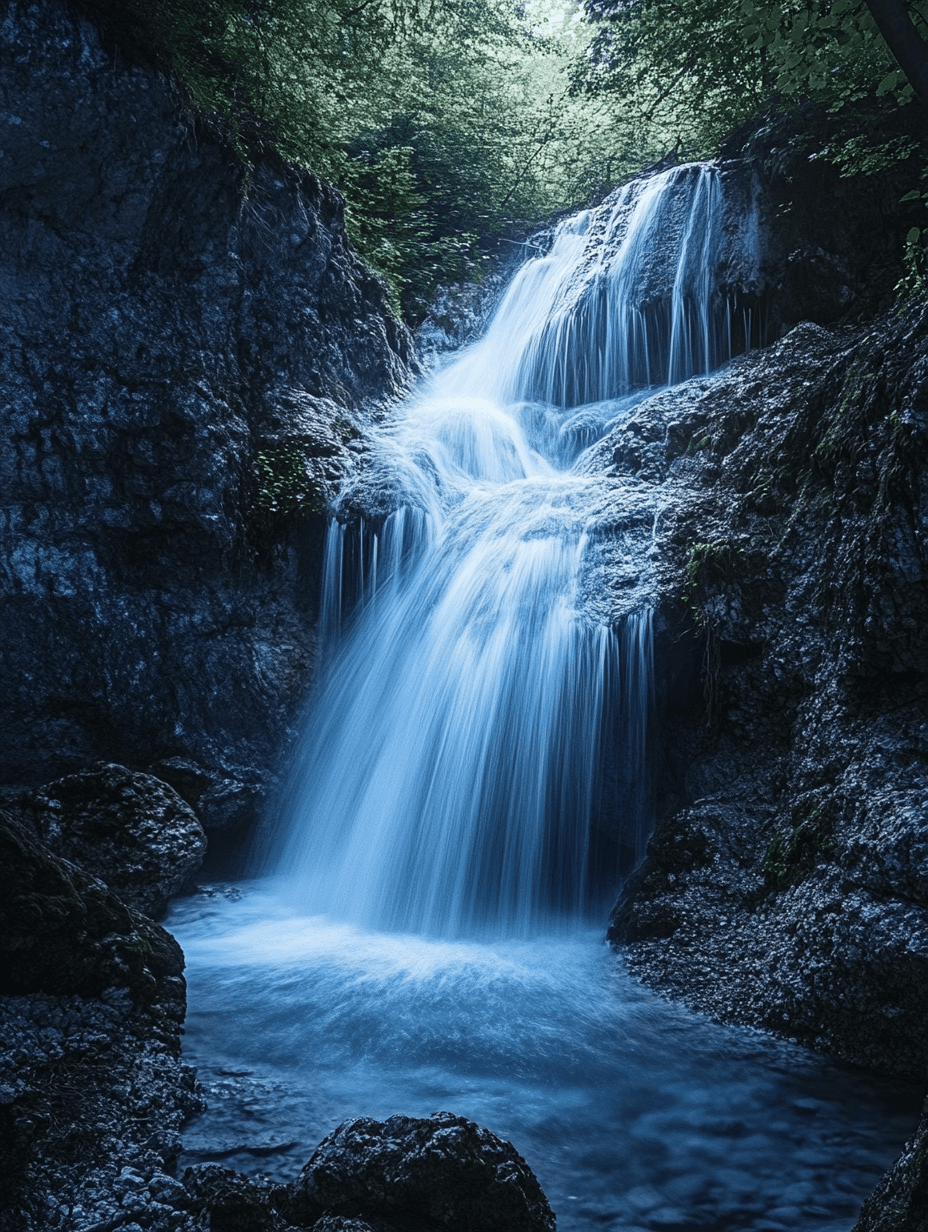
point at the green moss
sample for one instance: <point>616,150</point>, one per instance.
<point>790,858</point>
<point>695,446</point>
<point>284,485</point>
<point>707,564</point>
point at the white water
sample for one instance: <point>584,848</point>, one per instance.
<point>449,833</point>
<point>450,772</point>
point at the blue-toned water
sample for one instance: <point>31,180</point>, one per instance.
<point>427,932</point>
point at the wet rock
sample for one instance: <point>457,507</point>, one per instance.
<point>457,314</point>
<point>435,1172</point>
<point>63,932</point>
<point>234,1203</point>
<point>92,1090</point>
<point>92,1098</point>
<point>339,1223</point>
<point>784,885</point>
<point>900,1201</point>
<point>185,344</point>
<point>130,830</point>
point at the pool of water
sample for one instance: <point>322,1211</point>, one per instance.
<point>633,1112</point>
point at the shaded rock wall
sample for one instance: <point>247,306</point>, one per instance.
<point>785,884</point>
<point>185,343</point>
<point>91,1082</point>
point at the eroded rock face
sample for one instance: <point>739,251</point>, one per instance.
<point>130,830</point>
<point>785,884</point>
<point>184,345</point>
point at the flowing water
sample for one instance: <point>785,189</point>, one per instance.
<point>473,779</point>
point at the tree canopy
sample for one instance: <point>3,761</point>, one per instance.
<point>451,124</point>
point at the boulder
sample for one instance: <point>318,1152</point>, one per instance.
<point>440,1172</point>
<point>131,830</point>
<point>64,933</point>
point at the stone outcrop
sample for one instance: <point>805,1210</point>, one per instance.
<point>92,1090</point>
<point>440,1171</point>
<point>785,885</point>
<point>184,344</point>
<point>130,830</point>
<point>405,1174</point>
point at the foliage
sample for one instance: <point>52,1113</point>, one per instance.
<point>444,122</point>
<point>707,564</point>
<point>453,125</point>
<point>284,483</point>
<point>789,859</point>
<point>699,68</point>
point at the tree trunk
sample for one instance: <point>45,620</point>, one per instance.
<point>904,41</point>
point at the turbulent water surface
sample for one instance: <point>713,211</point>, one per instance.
<point>633,1112</point>
<point>473,779</point>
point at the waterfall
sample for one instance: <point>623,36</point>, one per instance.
<point>475,754</point>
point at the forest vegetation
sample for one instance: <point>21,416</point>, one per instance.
<point>451,126</point>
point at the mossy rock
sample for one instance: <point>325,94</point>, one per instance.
<point>63,932</point>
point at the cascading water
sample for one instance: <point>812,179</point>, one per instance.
<point>474,771</point>
<point>451,768</point>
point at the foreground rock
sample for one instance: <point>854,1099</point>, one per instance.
<point>442,1171</point>
<point>900,1201</point>
<point>131,831</point>
<point>184,344</point>
<point>92,1090</point>
<point>405,1174</point>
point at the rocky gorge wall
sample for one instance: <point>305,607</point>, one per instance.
<point>784,886</point>
<point>791,655</point>
<point>184,345</point>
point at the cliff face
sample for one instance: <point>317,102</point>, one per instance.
<point>184,343</point>
<point>785,884</point>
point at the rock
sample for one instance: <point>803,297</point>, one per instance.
<point>440,1172</point>
<point>900,1201</point>
<point>185,343</point>
<point>339,1223</point>
<point>234,1203</point>
<point>92,1089</point>
<point>63,932</point>
<point>457,315</point>
<point>784,886</point>
<point>131,830</point>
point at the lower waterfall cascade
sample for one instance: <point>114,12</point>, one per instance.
<point>424,927</point>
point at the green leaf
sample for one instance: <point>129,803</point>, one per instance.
<point>914,235</point>
<point>914,195</point>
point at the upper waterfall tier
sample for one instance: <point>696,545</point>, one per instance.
<point>628,295</point>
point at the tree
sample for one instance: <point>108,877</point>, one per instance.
<point>893,21</point>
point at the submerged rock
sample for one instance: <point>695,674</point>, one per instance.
<point>131,830</point>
